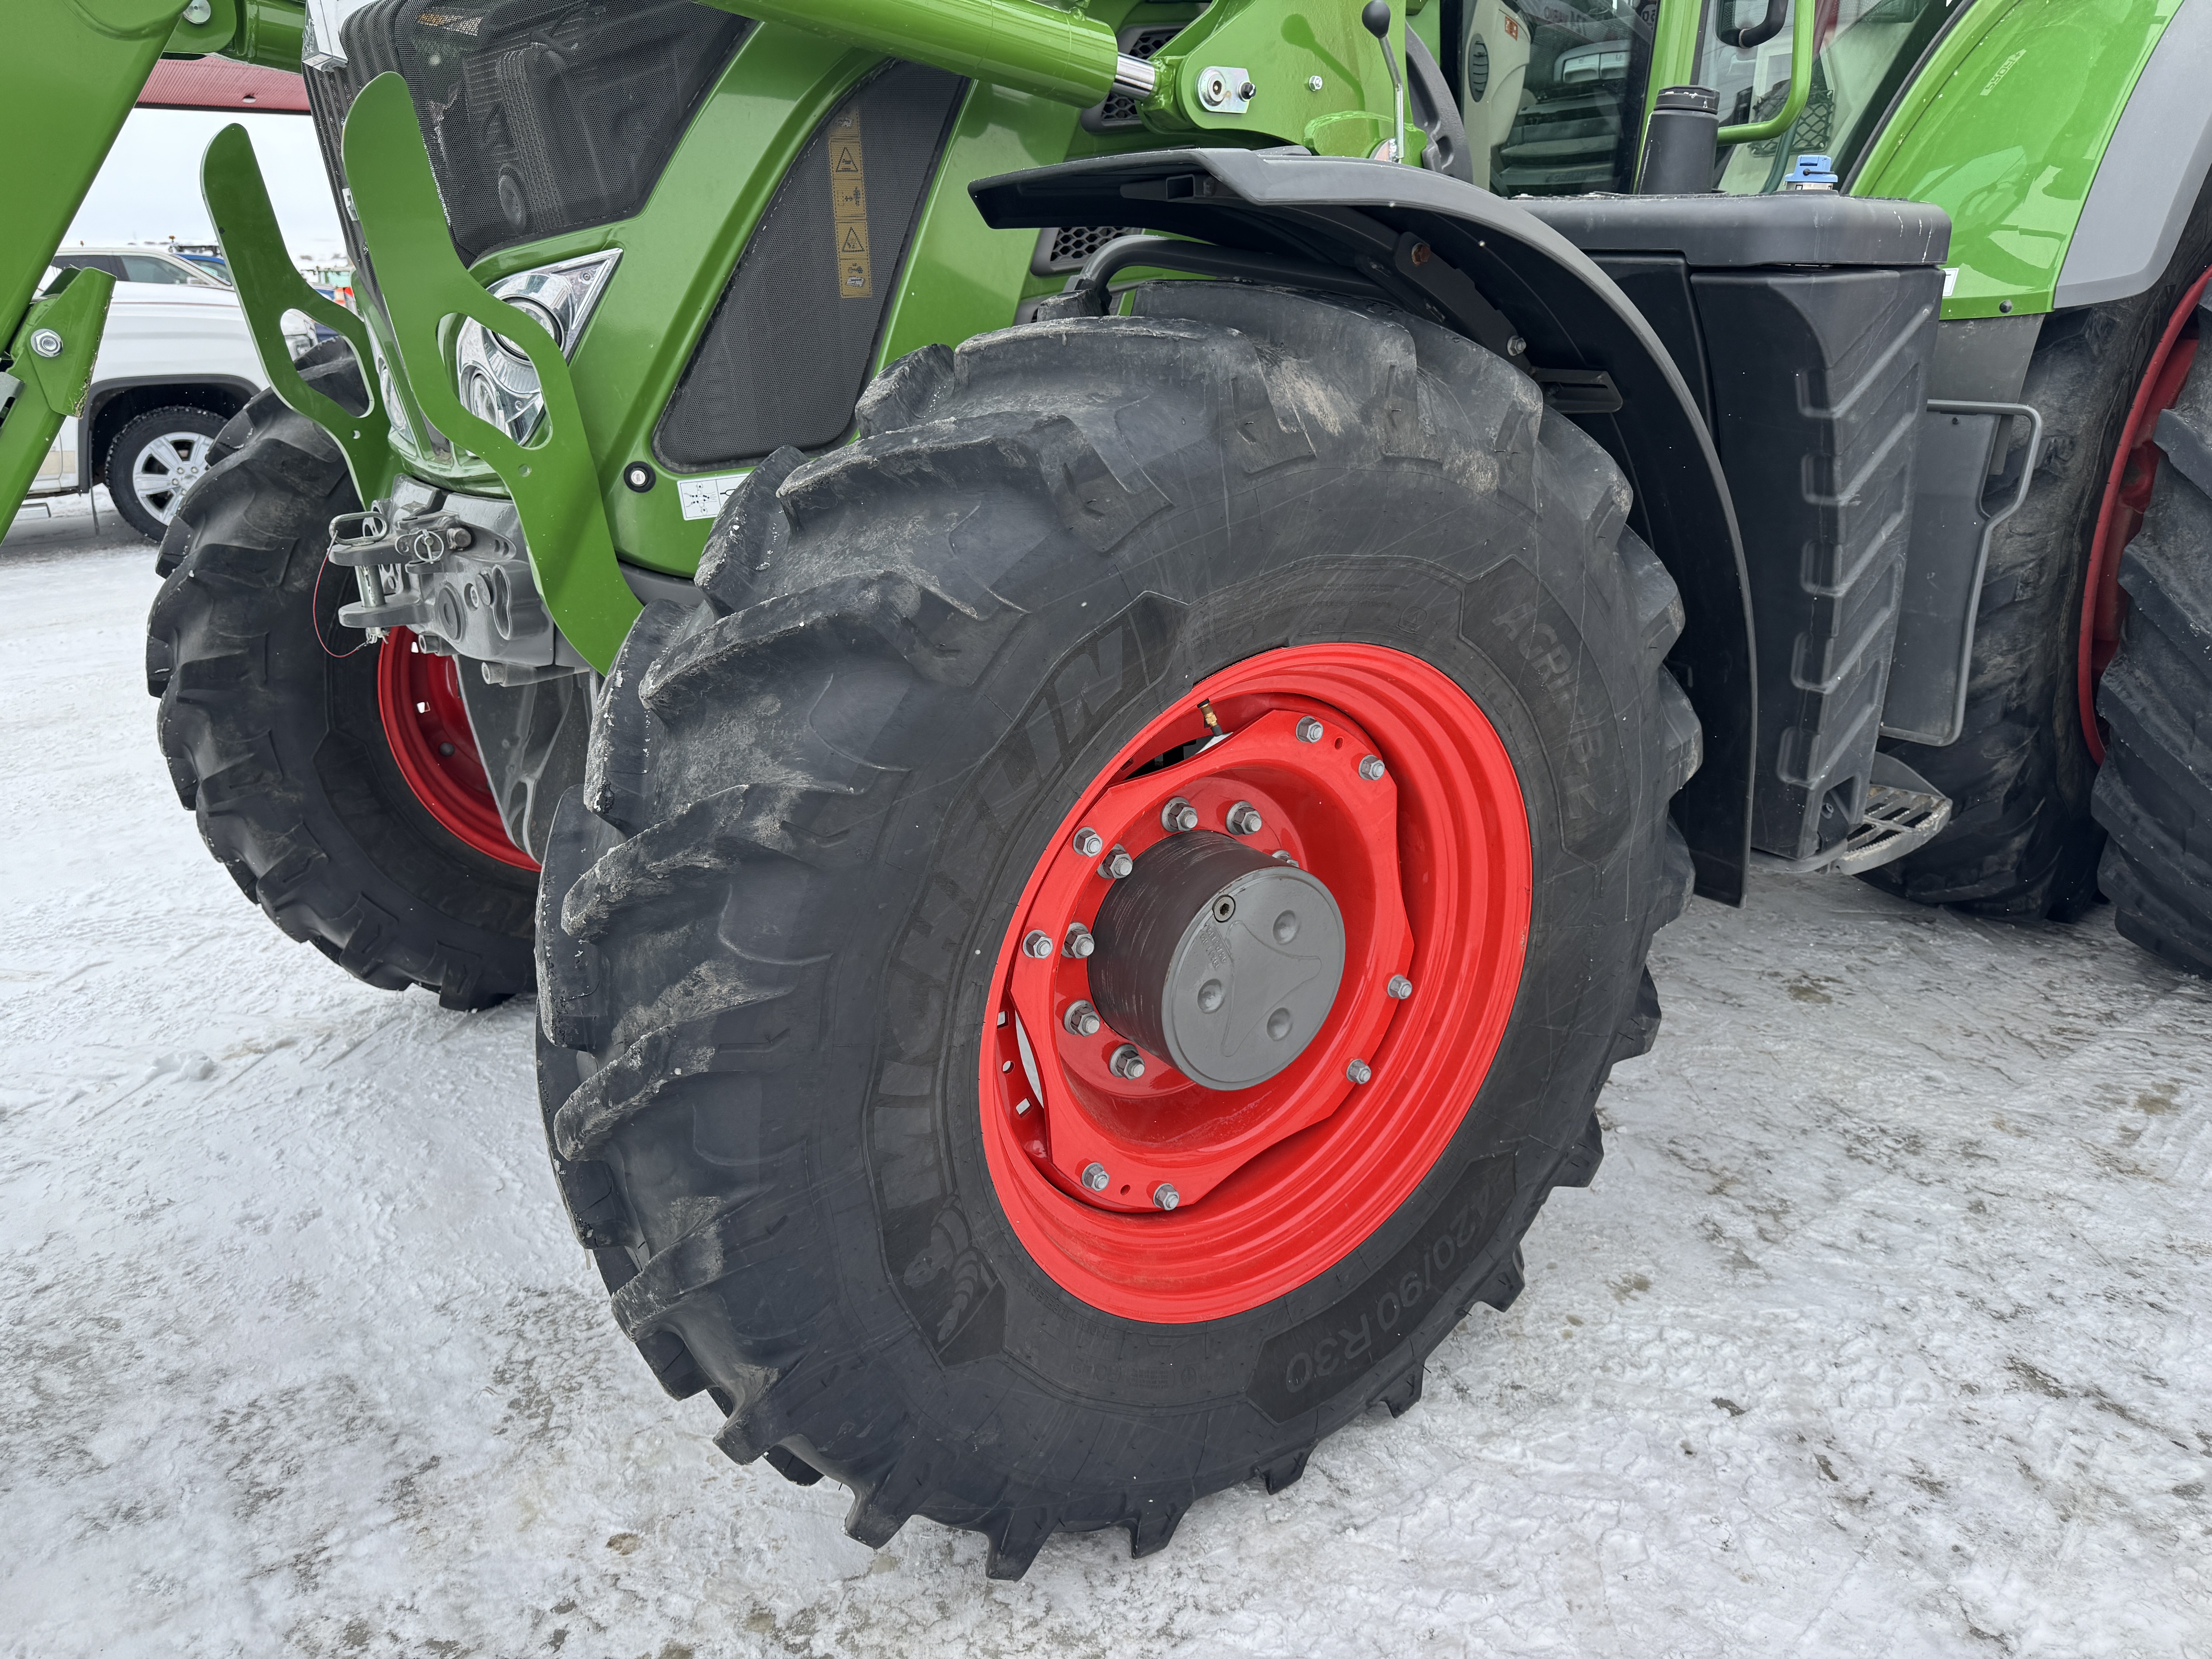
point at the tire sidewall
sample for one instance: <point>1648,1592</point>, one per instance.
<point>939,1241</point>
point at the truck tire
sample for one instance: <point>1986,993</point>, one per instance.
<point>277,726</point>
<point>2154,795</point>
<point>2022,842</point>
<point>795,1106</point>
<point>153,462</point>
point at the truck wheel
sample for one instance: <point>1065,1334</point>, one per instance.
<point>153,462</point>
<point>335,779</point>
<point>2154,794</point>
<point>1074,970</point>
<point>2021,841</point>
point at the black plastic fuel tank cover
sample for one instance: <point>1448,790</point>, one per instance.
<point>1804,323</point>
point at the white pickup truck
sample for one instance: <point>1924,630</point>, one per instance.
<point>175,363</point>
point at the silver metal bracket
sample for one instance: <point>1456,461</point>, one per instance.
<point>1934,653</point>
<point>1903,811</point>
<point>452,569</point>
<point>1224,91</point>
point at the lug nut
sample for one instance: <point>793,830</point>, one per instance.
<point>1309,730</point>
<point>1082,1019</point>
<point>1080,943</point>
<point>1370,768</point>
<point>1244,819</point>
<point>1178,815</point>
<point>1087,843</point>
<point>1126,1062</point>
<point>1359,1070</point>
<point>1095,1177</point>
<point>1037,945</point>
<point>1166,1196</point>
<point>1118,864</point>
<point>1400,987</point>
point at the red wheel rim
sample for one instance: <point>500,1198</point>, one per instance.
<point>2127,496</point>
<point>419,696</point>
<point>1429,866</point>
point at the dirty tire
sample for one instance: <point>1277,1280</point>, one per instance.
<point>814,801</point>
<point>2022,842</point>
<point>275,745</point>
<point>2154,794</point>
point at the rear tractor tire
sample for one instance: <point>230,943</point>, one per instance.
<point>1136,693</point>
<point>333,777</point>
<point>2154,794</point>
<point>2022,842</point>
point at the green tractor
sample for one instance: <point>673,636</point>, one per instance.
<point>1079,646</point>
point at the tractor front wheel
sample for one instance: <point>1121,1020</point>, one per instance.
<point>1074,972</point>
<point>334,777</point>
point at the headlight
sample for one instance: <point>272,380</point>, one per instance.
<point>496,381</point>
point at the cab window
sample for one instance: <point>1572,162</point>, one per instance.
<point>1553,93</point>
<point>1863,50</point>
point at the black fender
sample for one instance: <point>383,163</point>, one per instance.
<point>1501,276</point>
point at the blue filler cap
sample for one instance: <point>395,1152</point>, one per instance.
<point>1811,170</point>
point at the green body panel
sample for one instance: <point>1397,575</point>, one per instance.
<point>1674,49</point>
<point>2004,126</point>
<point>1015,44</point>
<point>959,278</point>
<point>49,390</point>
<point>553,480</point>
<point>269,285</point>
<point>2003,129</point>
<point>71,73</point>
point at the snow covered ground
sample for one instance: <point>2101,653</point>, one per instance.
<point>1882,1332</point>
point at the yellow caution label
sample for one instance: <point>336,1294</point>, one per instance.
<point>848,204</point>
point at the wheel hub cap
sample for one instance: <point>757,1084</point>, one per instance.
<point>1218,958</point>
<point>1253,979</point>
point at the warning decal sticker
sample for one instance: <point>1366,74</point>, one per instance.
<point>848,204</point>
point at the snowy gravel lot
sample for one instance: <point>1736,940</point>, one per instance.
<point>1883,1330</point>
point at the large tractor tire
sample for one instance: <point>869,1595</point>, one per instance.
<point>2022,842</point>
<point>334,778</point>
<point>1156,626</point>
<point>2154,794</point>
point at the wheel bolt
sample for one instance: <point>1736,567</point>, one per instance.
<point>1080,943</point>
<point>1038,944</point>
<point>1095,1177</point>
<point>1400,987</point>
<point>1118,864</point>
<point>1126,1062</point>
<point>1309,730</point>
<point>1166,1196</point>
<point>1178,814</point>
<point>1087,842</point>
<point>1359,1070</point>
<point>1244,819</point>
<point>1082,1019</point>
<point>1370,768</point>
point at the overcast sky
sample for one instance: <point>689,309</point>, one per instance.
<point>149,188</point>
